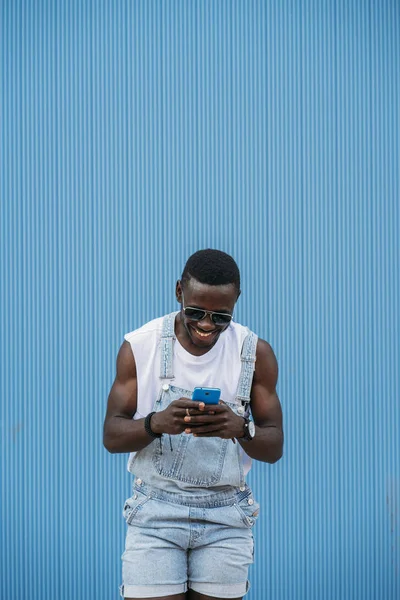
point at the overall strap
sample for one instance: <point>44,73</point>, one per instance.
<point>167,346</point>
<point>248,358</point>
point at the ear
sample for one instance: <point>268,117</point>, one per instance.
<point>178,291</point>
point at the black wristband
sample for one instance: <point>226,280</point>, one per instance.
<point>148,427</point>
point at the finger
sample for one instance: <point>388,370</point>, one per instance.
<point>193,412</point>
<point>197,413</point>
<point>214,411</point>
<point>220,407</point>
<point>205,419</point>
<point>212,408</point>
<point>196,420</point>
<point>186,403</point>
<point>203,429</point>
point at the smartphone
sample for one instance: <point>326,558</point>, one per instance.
<point>206,395</point>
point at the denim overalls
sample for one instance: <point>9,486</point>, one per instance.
<point>182,463</point>
<point>191,514</point>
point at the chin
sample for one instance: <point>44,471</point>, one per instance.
<point>200,342</point>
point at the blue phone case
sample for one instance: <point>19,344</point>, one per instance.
<point>206,395</point>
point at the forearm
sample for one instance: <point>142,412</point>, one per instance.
<point>266,446</point>
<point>125,435</point>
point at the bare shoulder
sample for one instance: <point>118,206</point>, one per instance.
<point>265,404</point>
<point>122,399</point>
<point>126,366</point>
<point>266,367</point>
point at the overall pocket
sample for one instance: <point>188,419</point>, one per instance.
<point>197,461</point>
<point>133,506</point>
<point>248,510</point>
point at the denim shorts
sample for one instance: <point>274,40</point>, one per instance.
<point>179,541</point>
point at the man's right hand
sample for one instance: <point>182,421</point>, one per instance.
<point>122,433</point>
<point>171,420</point>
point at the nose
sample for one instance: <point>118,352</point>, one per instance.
<point>206,324</point>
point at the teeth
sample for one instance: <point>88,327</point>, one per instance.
<point>201,334</point>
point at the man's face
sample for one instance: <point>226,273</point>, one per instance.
<point>203,334</point>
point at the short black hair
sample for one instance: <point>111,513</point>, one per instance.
<point>213,267</point>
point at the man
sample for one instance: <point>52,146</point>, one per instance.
<point>190,516</point>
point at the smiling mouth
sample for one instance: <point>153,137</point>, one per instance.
<point>202,334</point>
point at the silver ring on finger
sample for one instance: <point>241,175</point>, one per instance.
<point>188,412</point>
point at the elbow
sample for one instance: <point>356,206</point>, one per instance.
<point>277,453</point>
<point>111,449</point>
<point>108,446</point>
<point>275,457</point>
<point>109,443</point>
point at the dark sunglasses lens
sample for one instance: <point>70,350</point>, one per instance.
<point>194,313</point>
<point>221,319</point>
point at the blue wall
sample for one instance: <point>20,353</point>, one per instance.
<point>135,132</point>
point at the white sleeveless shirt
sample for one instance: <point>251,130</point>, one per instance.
<point>219,367</point>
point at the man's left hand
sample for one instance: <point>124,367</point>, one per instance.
<point>220,421</point>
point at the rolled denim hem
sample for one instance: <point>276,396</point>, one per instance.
<point>151,591</point>
<point>233,590</point>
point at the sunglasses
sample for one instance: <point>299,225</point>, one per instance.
<point>197,314</point>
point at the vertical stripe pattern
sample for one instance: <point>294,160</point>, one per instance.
<point>133,133</point>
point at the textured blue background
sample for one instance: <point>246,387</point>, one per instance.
<point>135,132</point>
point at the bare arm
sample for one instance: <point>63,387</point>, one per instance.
<point>121,432</point>
<point>267,445</point>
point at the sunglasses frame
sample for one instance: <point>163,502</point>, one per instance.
<point>205,313</point>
